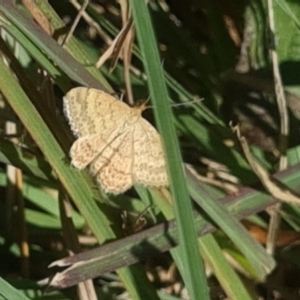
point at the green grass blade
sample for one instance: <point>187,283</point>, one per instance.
<point>47,143</point>
<point>72,46</point>
<point>9,292</point>
<point>229,280</point>
<point>39,38</point>
<point>261,262</point>
<point>25,160</point>
<point>194,275</point>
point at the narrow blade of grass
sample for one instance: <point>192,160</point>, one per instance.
<point>9,292</point>
<point>229,280</point>
<point>261,262</point>
<point>194,275</point>
<point>39,38</point>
